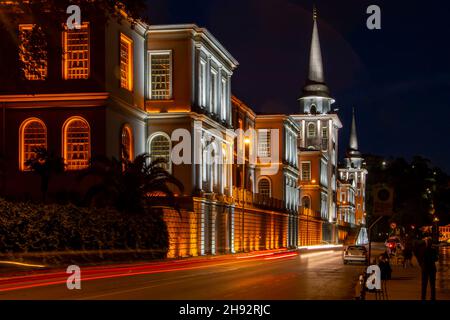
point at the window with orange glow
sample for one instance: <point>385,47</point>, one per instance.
<point>160,148</point>
<point>126,62</point>
<point>33,69</point>
<point>264,187</point>
<point>160,75</point>
<point>264,143</point>
<point>127,143</point>
<point>76,62</point>
<point>306,171</point>
<point>77,143</point>
<point>33,134</point>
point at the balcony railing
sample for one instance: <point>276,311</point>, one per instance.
<point>256,200</point>
<point>308,212</point>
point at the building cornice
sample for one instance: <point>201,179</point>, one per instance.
<point>196,32</point>
<point>327,116</point>
<point>55,100</point>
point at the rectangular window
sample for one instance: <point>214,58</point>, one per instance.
<point>202,84</point>
<point>264,143</point>
<point>306,171</point>
<point>76,53</point>
<point>324,138</point>
<point>161,75</point>
<point>126,62</point>
<point>213,92</point>
<point>33,68</point>
<point>224,99</point>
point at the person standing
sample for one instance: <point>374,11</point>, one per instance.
<point>428,265</point>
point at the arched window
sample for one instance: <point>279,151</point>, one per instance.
<point>160,149</point>
<point>306,204</point>
<point>32,134</point>
<point>127,143</point>
<point>264,187</point>
<point>76,143</point>
<point>311,130</point>
<point>313,109</point>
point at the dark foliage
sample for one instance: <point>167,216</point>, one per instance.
<point>131,186</point>
<point>28,227</point>
<point>45,164</point>
<point>418,188</point>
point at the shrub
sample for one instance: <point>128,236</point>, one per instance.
<point>26,228</point>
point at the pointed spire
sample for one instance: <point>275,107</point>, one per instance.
<point>353,144</point>
<point>315,84</point>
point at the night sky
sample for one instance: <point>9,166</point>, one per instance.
<point>397,78</point>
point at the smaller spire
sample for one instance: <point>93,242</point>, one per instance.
<point>353,143</point>
<point>314,12</point>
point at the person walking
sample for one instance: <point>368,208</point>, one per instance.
<point>428,265</point>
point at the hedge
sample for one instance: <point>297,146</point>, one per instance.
<point>27,228</point>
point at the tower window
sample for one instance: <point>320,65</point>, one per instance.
<point>126,62</point>
<point>76,53</point>
<point>32,134</point>
<point>324,138</point>
<point>313,109</point>
<point>311,130</point>
<point>161,75</point>
<point>306,171</point>
<point>77,144</point>
<point>34,63</point>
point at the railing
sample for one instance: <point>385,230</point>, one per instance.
<point>307,212</point>
<point>250,199</point>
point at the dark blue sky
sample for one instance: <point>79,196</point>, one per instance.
<point>397,78</point>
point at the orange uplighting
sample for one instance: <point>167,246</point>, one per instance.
<point>25,31</point>
<point>126,62</point>
<point>313,180</point>
<point>76,143</point>
<point>127,142</point>
<point>76,46</point>
<point>32,134</point>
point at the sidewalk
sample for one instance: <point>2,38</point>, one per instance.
<point>406,284</point>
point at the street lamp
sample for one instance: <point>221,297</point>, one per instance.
<point>246,143</point>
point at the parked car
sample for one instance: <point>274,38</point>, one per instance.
<point>355,254</point>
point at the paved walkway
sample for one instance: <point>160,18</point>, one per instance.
<point>406,282</point>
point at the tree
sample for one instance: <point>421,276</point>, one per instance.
<point>418,188</point>
<point>131,186</point>
<point>45,164</point>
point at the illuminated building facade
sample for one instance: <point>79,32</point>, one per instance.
<point>84,99</point>
<point>137,89</point>
<point>318,142</point>
<point>352,185</point>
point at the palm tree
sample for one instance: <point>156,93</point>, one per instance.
<point>131,186</point>
<point>45,164</point>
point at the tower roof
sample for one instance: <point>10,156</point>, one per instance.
<point>315,84</point>
<point>352,150</point>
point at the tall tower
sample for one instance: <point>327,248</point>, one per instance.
<point>354,171</point>
<point>318,143</point>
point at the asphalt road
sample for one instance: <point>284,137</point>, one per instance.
<point>310,276</point>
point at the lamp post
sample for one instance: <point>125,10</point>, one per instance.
<point>246,142</point>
